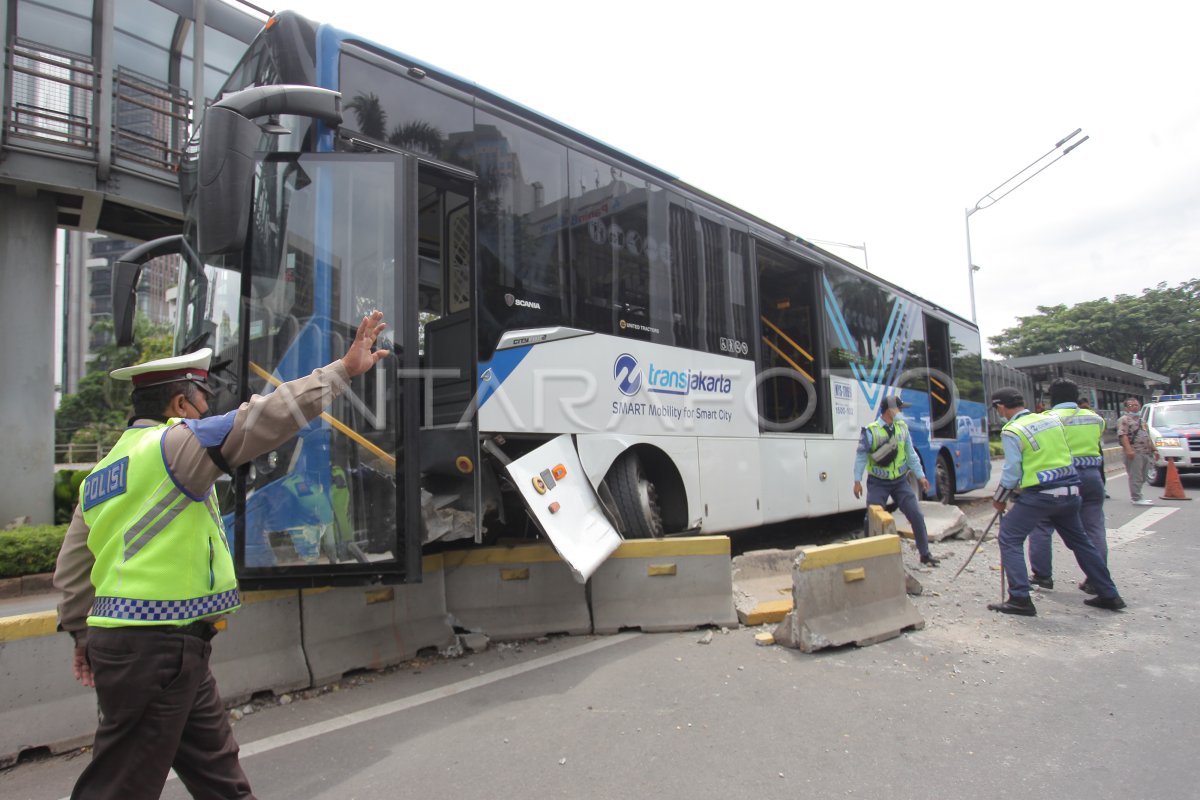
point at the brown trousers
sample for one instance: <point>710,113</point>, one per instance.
<point>159,709</point>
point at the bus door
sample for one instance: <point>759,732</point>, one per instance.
<point>801,470</point>
<point>441,252</point>
<point>943,423</point>
<point>338,503</point>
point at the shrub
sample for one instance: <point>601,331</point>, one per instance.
<point>30,550</point>
<point>66,493</point>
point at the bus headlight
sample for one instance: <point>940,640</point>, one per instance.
<point>1166,443</point>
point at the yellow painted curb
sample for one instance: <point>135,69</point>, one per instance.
<point>830,554</point>
<point>28,626</point>
<point>266,595</point>
<point>520,554</point>
<point>770,611</point>
<point>683,546</point>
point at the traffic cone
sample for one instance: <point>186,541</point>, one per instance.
<point>1174,485</point>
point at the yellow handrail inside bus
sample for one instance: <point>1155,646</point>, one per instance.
<point>337,424</point>
<point>784,356</point>
<point>787,339</point>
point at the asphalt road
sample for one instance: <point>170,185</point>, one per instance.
<point>1075,703</point>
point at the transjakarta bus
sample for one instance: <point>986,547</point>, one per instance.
<point>585,346</point>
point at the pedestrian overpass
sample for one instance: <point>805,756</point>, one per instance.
<point>98,100</point>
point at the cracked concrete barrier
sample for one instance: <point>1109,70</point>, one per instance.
<point>259,649</point>
<point>941,521</point>
<point>42,705</point>
<point>664,585</point>
<point>515,592</point>
<point>372,627</point>
<point>762,585</point>
<point>848,593</point>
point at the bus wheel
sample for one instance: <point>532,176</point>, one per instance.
<point>636,498</point>
<point>944,479</point>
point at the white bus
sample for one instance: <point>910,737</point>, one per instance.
<point>586,346</point>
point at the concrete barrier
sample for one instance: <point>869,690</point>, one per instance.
<point>848,593</point>
<point>372,627</point>
<point>664,585</point>
<point>41,705</point>
<point>515,592</point>
<point>260,648</point>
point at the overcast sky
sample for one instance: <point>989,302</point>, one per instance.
<point>875,122</point>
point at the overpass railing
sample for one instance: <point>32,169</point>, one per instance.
<point>53,97</point>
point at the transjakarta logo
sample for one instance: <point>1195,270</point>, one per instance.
<point>625,373</point>
<point>510,301</point>
<point>666,381</point>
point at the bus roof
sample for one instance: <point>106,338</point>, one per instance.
<point>538,118</point>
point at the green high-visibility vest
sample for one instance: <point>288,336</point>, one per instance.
<point>161,555</point>
<point>1084,429</point>
<point>1045,454</point>
<point>897,465</point>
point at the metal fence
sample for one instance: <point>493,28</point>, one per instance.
<point>52,96</point>
<point>151,120</point>
<point>53,101</point>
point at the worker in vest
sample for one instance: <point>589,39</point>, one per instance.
<point>145,570</point>
<point>1084,429</point>
<point>885,450</point>
<point>1040,478</point>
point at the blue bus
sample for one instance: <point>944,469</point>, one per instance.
<point>586,347</point>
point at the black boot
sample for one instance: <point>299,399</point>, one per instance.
<point>1022,606</point>
<point>930,561</point>
<point>1042,581</point>
<point>1087,588</point>
<point>1114,603</point>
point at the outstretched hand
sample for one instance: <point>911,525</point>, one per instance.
<point>360,357</point>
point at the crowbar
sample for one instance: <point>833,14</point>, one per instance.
<point>995,517</point>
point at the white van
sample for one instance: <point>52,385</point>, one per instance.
<point>1174,424</point>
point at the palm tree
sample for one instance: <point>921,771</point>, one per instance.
<point>372,119</point>
<point>417,136</point>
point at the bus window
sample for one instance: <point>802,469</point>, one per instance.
<point>522,192</point>
<point>625,279</point>
<point>716,262</point>
<point>791,393</point>
<point>384,104</point>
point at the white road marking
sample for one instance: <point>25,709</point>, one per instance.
<point>366,715</point>
<point>1138,527</point>
<point>442,692</point>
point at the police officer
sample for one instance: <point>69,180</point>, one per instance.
<point>1084,429</point>
<point>1039,473</point>
<point>145,568</point>
<point>885,450</point>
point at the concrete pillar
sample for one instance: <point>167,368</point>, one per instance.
<point>27,228</point>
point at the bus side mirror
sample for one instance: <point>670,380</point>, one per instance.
<point>124,299</point>
<point>225,180</point>
<point>125,274</point>
<point>228,142</point>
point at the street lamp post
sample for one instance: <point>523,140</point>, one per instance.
<point>1009,186</point>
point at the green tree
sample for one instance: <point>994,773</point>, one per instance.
<point>97,412</point>
<point>1161,326</point>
